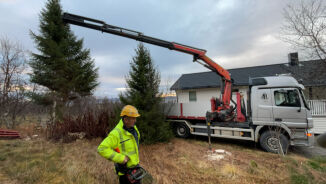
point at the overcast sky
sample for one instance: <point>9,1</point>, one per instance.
<point>235,33</point>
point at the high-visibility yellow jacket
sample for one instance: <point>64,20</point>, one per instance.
<point>125,141</point>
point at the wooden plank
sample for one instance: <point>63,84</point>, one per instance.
<point>9,135</point>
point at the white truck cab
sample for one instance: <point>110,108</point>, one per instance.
<point>278,101</point>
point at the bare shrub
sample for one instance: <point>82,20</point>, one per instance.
<point>13,84</point>
<point>94,119</point>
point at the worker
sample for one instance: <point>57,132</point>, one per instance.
<point>121,145</point>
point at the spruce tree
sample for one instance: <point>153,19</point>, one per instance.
<point>143,92</point>
<point>62,65</point>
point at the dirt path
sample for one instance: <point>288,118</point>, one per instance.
<point>309,152</point>
<point>303,151</point>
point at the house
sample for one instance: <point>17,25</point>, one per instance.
<point>196,89</point>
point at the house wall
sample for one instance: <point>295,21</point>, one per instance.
<point>201,94</point>
<point>204,95</point>
<point>315,93</point>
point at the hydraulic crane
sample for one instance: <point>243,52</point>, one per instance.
<point>221,109</point>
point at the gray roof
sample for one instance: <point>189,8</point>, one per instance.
<point>311,73</point>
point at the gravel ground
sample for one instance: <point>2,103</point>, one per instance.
<point>309,152</point>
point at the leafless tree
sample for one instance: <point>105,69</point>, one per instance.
<point>305,27</point>
<point>168,98</point>
<point>13,85</point>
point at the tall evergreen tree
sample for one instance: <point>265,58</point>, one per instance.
<point>143,92</point>
<point>62,65</point>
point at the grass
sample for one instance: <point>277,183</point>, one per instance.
<point>30,162</point>
<point>307,171</point>
<point>39,161</point>
<point>180,161</point>
<point>299,179</point>
<point>318,164</point>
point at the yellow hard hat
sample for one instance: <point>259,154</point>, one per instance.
<point>129,111</point>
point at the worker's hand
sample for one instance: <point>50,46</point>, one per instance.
<point>125,160</point>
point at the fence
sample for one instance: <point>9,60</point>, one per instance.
<point>318,107</point>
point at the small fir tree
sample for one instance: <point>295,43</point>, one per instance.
<point>143,92</point>
<point>62,65</point>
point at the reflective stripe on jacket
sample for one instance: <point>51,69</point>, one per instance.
<point>125,141</point>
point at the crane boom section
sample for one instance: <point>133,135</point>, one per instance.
<point>102,26</point>
<point>197,53</point>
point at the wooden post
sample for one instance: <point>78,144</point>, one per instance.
<point>208,123</point>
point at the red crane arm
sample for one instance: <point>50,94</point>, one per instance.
<point>197,53</point>
<point>200,54</point>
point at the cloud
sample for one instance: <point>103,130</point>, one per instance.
<point>121,89</point>
<point>235,33</point>
<point>265,50</point>
<point>112,80</point>
<point>9,1</point>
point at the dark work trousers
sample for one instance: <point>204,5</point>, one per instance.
<point>124,180</point>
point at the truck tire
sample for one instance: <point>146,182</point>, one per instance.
<point>269,141</point>
<point>181,130</point>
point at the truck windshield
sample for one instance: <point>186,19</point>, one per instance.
<point>304,99</point>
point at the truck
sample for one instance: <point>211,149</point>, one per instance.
<point>276,114</point>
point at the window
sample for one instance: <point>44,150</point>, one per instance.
<point>288,98</point>
<point>192,96</point>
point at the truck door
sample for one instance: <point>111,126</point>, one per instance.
<point>263,106</point>
<point>288,108</point>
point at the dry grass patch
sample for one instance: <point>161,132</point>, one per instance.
<point>180,161</point>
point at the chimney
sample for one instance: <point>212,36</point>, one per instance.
<point>293,59</point>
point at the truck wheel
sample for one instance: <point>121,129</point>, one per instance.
<point>181,130</point>
<point>269,141</point>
